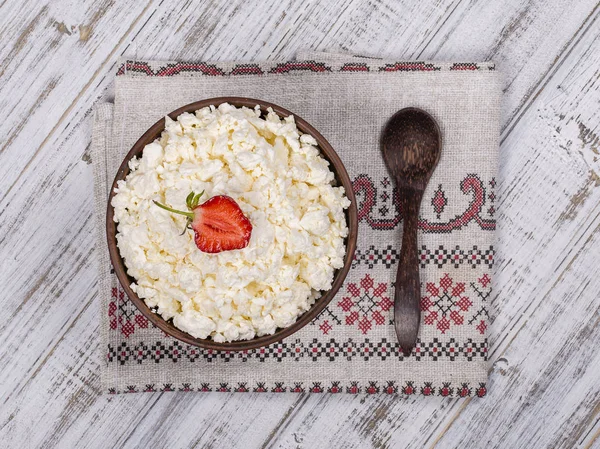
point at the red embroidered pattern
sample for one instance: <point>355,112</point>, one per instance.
<point>123,314</point>
<point>464,389</point>
<point>441,256</point>
<point>439,201</point>
<point>366,305</point>
<point>172,69</point>
<point>312,66</point>
<point>354,67</point>
<point>174,351</point>
<point>326,321</point>
<point>409,67</point>
<point>364,187</point>
<point>246,69</point>
<point>446,304</point>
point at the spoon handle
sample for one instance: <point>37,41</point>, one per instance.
<point>407,299</point>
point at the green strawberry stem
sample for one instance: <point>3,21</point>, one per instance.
<point>190,215</point>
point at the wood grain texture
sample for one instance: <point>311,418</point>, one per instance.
<point>411,143</point>
<point>58,59</point>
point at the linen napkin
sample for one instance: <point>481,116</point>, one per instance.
<point>351,346</point>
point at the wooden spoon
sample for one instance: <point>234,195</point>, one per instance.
<point>411,144</point>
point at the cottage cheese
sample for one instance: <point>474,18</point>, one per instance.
<point>284,187</point>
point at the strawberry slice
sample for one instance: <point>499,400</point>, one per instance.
<point>219,224</point>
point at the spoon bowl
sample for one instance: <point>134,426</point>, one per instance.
<point>411,144</point>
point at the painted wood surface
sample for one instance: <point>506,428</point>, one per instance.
<point>58,58</point>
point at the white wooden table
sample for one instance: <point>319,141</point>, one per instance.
<point>58,58</point>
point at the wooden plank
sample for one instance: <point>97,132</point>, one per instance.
<point>51,282</point>
<point>56,54</point>
<point>591,435</point>
<point>29,277</point>
<point>49,357</point>
<point>526,256</point>
<point>548,352</point>
<point>524,38</point>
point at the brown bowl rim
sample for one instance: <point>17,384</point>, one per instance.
<point>351,215</point>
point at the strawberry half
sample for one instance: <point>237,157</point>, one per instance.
<point>219,224</point>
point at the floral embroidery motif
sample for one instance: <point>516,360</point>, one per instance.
<point>446,390</point>
<point>366,304</point>
<point>445,304</point>
<point>123,314</point>
<point>334,388</point>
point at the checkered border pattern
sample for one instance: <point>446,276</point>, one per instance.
<point>440,256</point>
<point>331,350</point>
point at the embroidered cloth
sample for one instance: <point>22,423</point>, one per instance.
<point>351,347</point>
